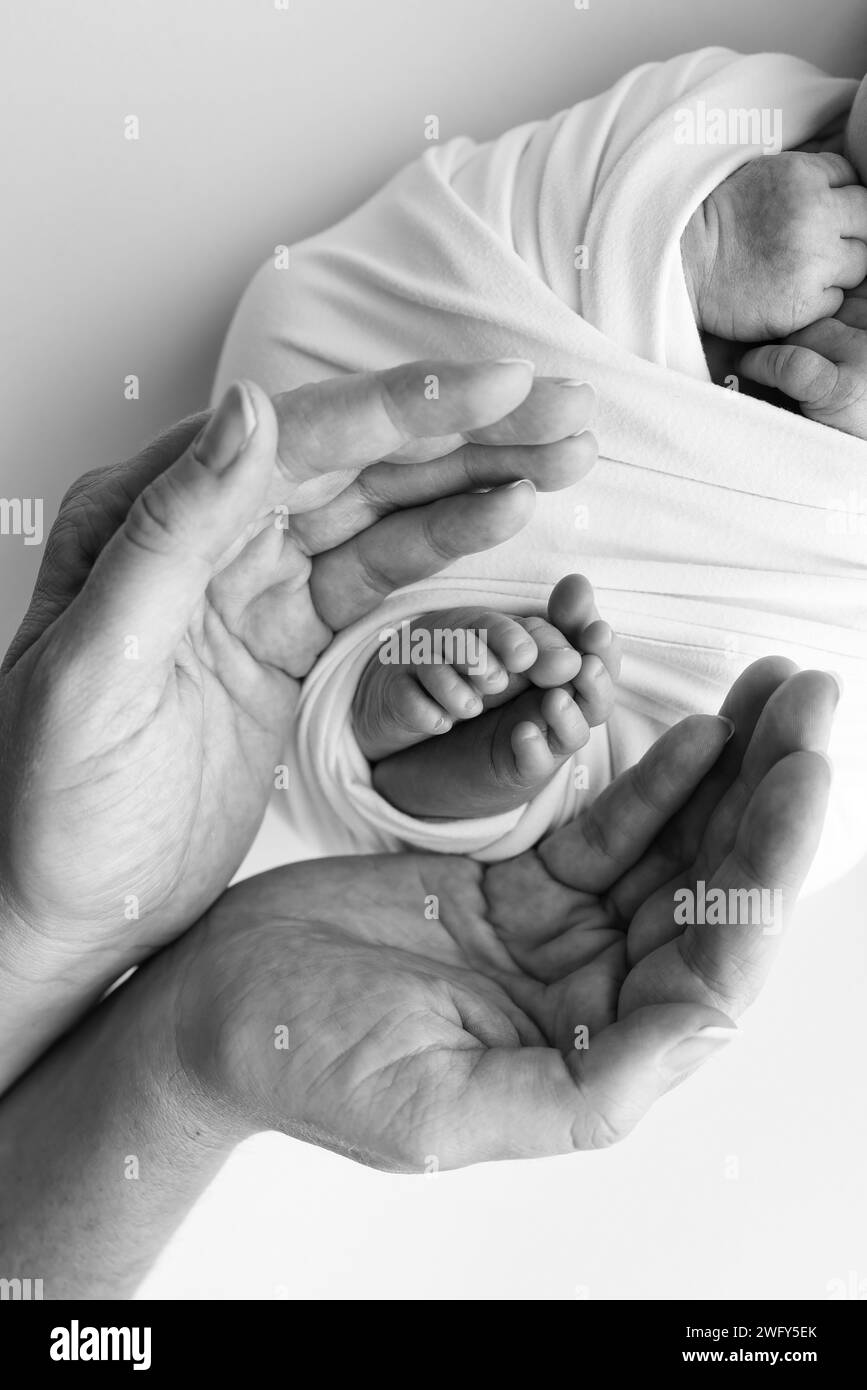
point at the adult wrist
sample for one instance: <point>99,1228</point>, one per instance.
<point>29,975</point>
<point>140,1145</point>
<point>188,1051</point>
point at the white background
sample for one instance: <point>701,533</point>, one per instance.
<point>257,127</point>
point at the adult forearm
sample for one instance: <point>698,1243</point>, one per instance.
<point>104,1146</point>
<point>43,992</point>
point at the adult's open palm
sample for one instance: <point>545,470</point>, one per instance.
<point>418,1010</point>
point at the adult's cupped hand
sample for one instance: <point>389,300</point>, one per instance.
<point>146,698</point>
<point>421,1010</point>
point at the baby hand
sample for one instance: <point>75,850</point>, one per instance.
<point>774,246</point>
<point>823,367</point>
<point>485,730</point>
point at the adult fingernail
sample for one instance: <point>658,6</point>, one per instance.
<point>228,431</point>
<point>730,725</point>
<point>515,362</point>
<point>519,482</point>
<point>698,1048</point>
<point>571,381</point>
<point>838,680</point>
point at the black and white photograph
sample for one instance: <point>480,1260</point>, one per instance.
<point>433,717</point>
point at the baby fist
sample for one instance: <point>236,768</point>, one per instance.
<point>773,247</point>
<point>823,367</point>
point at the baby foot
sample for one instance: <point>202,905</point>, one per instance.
<point>823,367</point>
<point>507,723</point>
<point>449,666</point>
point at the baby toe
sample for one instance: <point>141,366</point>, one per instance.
<point>393,712</point>
<point>557,662</point>
<point>567,726</point>
<point>572,605</point>
<point>599,639</point>
<point>594,691</point>
<point>451,691</point>
<point>510,641</point>
<point>467,652</point>
<point>534,761</point>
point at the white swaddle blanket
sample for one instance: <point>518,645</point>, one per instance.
<point>715,528</point>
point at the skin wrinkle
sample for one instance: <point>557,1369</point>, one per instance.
<point>591,1128</point>
<point>691,953</point>
<point>148,524</point>
<point>235,640</point>
<point>439,545</point>
<point>304,430</point>
<point>490,914</point>
<point>375,505</point>
<point>424,1137</point>
<point>484,949</point>
<point>401,705</point>
<point>377,579</point>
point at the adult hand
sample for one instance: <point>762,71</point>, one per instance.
<point>412,1010</point>
<point>145,701</point>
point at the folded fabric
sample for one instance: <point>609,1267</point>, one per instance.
<point>716,528</point>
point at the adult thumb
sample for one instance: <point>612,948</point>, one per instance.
<point>188,523</point>
<point>631,1063</point>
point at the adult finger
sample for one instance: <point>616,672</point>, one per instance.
<point>348,422</point>
<point>795,716</point>
<point>350,580</point>
<point>554,408</point>
<point>750,897</point>
<point>533,1102</point>
<point>388,487</point>
<point>90,513</point>
<point>676,847</point>
<point>148,579</point>
<point>612,834</point>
